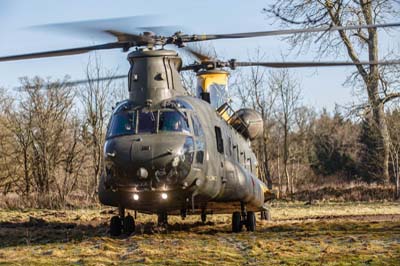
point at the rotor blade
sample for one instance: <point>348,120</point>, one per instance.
<point>311,64</point>
<point>206,37</point>
<point>129,27</point>
<point>83,81</point>
<point>201,57</point>
<point>63,52</point>
<point>76,82</point>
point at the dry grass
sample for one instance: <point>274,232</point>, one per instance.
<point>321,234</point>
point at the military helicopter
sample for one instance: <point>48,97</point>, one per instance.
<point>170,153</point>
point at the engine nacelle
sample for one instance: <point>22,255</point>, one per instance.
<point>247,122</point>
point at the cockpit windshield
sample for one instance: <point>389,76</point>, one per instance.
<point>139,122</point>
<point>173,121</point>
<point>123,123</point>
<point>147,122</point>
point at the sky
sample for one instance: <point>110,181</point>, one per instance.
<point>321,88</point>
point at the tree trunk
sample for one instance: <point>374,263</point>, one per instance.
<point>266,163</point>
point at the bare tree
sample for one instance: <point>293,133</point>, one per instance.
<point>253,91</point>
<point>356,44</point>
<point>40,125</point>
<point>394,129</point>
<point>72,162</point>
<point>97,98</point>
<point>288,92</point>
<point>8,169</point>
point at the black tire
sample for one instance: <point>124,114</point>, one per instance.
<point>162,219</point>
<point>203,217</point>
<point>129,225</point>
<point>251,221</point>
<point>115,226</point>
<point>236,222</point>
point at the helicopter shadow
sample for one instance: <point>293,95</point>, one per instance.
<point>39,231</point>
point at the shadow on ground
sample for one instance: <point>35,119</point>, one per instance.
<point>40,231</point>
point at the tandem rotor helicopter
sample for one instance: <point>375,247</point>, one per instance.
<point>170,153</point>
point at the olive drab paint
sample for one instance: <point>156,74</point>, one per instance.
<point>209,167</point>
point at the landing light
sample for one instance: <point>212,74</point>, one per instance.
<point>135,197</point>
<point>164,196</point>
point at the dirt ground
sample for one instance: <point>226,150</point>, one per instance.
<point>299,234</point>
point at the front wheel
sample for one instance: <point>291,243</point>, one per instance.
<point>115,226</point>
<point>129,225</point>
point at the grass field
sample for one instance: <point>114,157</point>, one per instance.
<point>319,234</point>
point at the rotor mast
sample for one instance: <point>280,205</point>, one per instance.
<point>154,76</point>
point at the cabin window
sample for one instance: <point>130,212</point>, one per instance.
<point>129,80</point>
<point>230,146</point>
<point>237,152</point>
<point>250,164</point>
<point>173,121</point>
<point>220,142</point>
<point>200,151</point>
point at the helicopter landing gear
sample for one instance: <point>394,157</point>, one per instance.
<point>183,213</point>
<point>266,215</point>
<point>203,216</point>
<point>121,223</point>
<point>129,224</point>
<point>251,222</point>
<point>243,218</point>
<point>162,219</point>
<point>115,226</point>
<point>236,222</point>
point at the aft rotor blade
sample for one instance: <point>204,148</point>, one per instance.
<point>64,52</point>
<point>200,56</point>
<point>207,37</point>
<point>310,64</point>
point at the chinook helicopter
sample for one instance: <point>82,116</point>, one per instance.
<point>169,153</point>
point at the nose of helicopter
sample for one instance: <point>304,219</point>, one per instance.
<point>141,160</point>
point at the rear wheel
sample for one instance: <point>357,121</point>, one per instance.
<point>266,215</point>
<point>115,226</point>
<point>236,222</point>
<point>251,221</point>
<point>129,225</point>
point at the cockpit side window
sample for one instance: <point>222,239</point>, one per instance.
<point>122,123</point>
<point>173,121</point>
<point>147,122</point>
<point>198,131</point>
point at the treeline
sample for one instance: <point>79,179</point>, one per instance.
<point>303,149</point>
<point>51,139</point>
<point>52,136</point>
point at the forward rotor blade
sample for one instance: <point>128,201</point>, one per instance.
<point>78,82</point>
<point>83,81</point>
<point>207,37</point>
<point>311,64</point>
<point>127,27</point>
<point>64,52</point>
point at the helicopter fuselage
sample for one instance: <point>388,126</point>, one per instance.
<point>205,165</point>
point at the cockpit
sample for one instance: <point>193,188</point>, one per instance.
<point>129,121</point>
